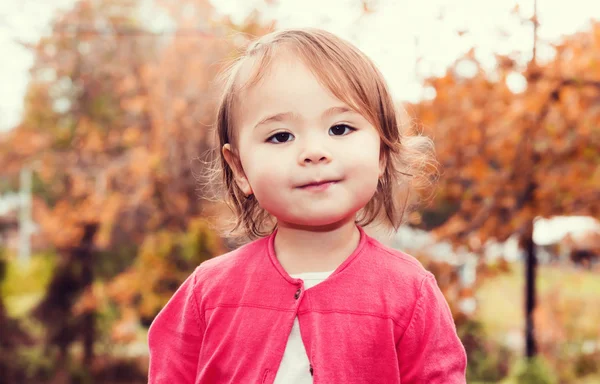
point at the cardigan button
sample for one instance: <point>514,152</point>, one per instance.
<point>297,295</point>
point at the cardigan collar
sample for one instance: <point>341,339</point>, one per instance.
<point>277,265</point>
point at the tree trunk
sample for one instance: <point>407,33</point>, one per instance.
<point>88,325</point>
<point>530,292</point>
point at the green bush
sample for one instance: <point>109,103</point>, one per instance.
<point>35,363</point>
<point>23,286</point>
<point>488,361</point>
<point>533,371</point>
<point>28,279</point>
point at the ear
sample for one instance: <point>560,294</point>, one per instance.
<point>236,167</point>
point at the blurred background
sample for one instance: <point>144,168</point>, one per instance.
<point>106,109</point>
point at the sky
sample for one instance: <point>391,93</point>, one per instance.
<point>394,36</point>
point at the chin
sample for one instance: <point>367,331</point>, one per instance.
<point>320,220</point>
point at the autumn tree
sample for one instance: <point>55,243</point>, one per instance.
<point>509,157</point>
<point>115,114</point>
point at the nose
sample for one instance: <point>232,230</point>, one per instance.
<point>314,153</point>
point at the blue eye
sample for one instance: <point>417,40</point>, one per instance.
<point>340,130</point>
<point>281,137</point>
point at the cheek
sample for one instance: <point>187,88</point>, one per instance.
<point>365,153</point>
<point>264,171</point>
<point>366,178</point>
<point>365,165</point>
<point>270,184</point>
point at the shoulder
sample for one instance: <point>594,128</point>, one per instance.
<point>399,274</point>
<point>396,264</point>
<point>232,262</point>
<point>408,286</point>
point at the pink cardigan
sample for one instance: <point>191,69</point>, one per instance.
<point>379,318</point>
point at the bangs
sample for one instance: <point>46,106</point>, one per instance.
<point>346,80</point>
<point>346,72</point>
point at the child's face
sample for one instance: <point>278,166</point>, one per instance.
<point>308,159</point>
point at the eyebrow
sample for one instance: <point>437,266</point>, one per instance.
<point>338,110</point>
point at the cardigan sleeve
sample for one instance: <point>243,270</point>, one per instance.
<point>175,338</point>
<point>429,350</point>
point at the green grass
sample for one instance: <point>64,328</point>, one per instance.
<point>501,299</point>
<point>566,317</point>
<point>595,379</point>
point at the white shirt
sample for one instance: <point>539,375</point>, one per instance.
<point>295,367</point>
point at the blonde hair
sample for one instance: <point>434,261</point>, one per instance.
<point>354,79</point>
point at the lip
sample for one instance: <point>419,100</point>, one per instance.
<point>318,185</point>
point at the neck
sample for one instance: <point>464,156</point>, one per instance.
<point>315,249</point>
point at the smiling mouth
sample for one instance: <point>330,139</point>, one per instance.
<point>319,185</point>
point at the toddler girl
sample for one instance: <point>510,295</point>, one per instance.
<point>311,152</point>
